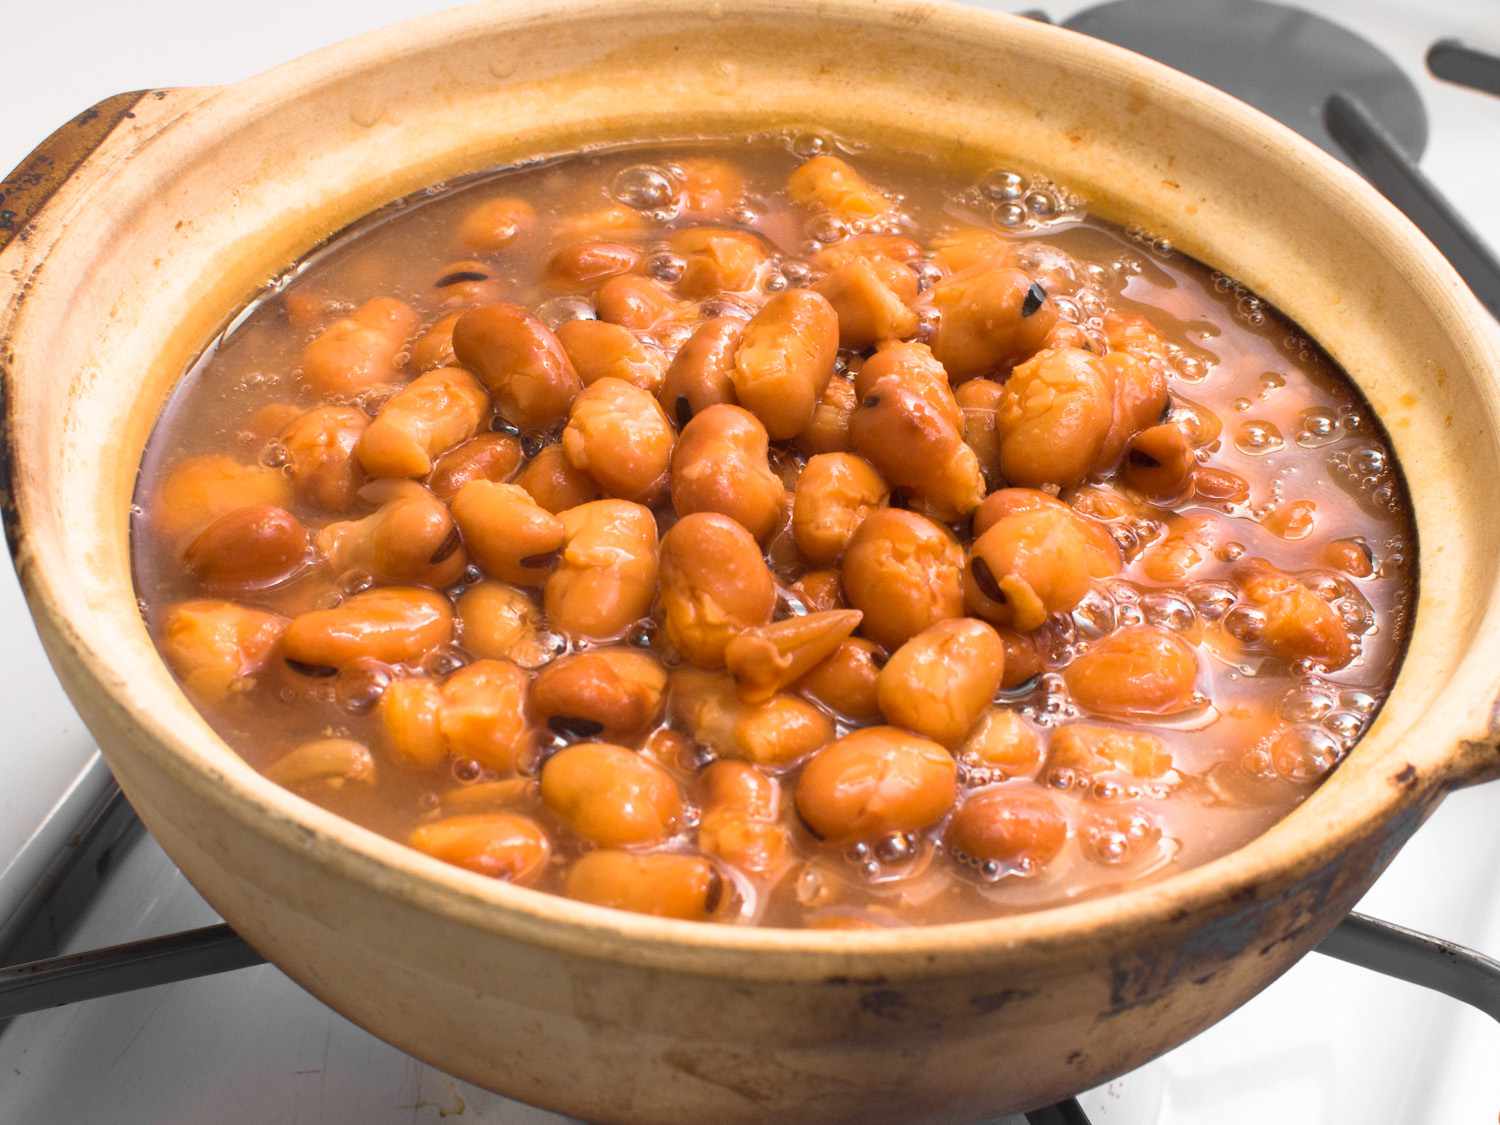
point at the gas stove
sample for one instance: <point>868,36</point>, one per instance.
<point>1402,90</point>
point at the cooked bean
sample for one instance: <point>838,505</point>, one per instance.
<point>720,465</point>
<point>664,884</point>
<point>519,360</point>
<point>710,188</point>
<point>1002,745</point>
<point>905,573</point>
<point>915,368</point>
<point>739,823</point>
<point>1022,660</point>
<point>410,714</point>
<point>493,796</point>
<point>990,320</point>
<point>640,304</point>
<point>960,249</point>
<point>600,350</point>
<point>939,682</point>
<point>717,259</point>
<point>307,307</point>
<point>785,360</point>
<point>1140,401</point>
<point>500,845</point>
<point>269,420</point>
<point>607,574</point>
<point>483,716</point>
<point>326,762</point>
<point>434,347</point>
<point>1220,486</point>
<point>1023,829</point>
<point>1056,412</point>
<point>611,796</point>
<point>1141,670</point>
<point>876,781</point>
<point>820,590</point>
<point>830,183</point>
<point>409,539</point>
<point>980,399</point>
<point>702,373</point>
<point>510,535</point>
<point>1299,625</point>
<point>584,266</point>
<point>200,490</point>
<point>917,447</point>
<point>870,298</point>
<point>846,681</point>
<point>320,455</point>
<point>496,223</point>
<point>554,483</point>
<point>1028,565</point>
<point>502,622</point>
<point>217,648</point>
<point>358,353</point>
<point>765,658</point>
<point>774,733</point>
<point>1089,749</point>
<point>394,624</point>
<point>1352,556</point>
<point>247,549</point>
<point>1160,462</point>
<point>617,692</point>
<point>466,283</point>
<point>834,495</point>
<point>491,457</point>
<point>618,434</point>
<point>714,583</point>
<point>1187,546</point>
<point>426,418</point>
<point>1009,502</point>
<point>612,222</point>
<point>828,431</point>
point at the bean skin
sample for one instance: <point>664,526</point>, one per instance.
<point>320,448</point>
<point>618,434</point>
<point>720,465</point>
<point>767,658</point>
<point>1002,745</point>
<point>509,534</point>
<point>358,353</point>
<point>846,682</point>
<point>739,823</point>
<point>785,360</point>
<point>611,796</point>
<point>501,845</point>
<point>409,539</point>
<point>875,781</point>
<point>1091,750</point>
<point>617,690</point>
<point>979,399</point>
<point>702,373</point>
<point>395,625</point>
<point>1140,670</point>
<point>820,590</point>
<point>600,350</point>
<point>217,648</point>
<point>710,187</point>
<point>423,420</point>
<point>328,763</point>
<point>939,682</point>
<point>554,483</point>
<point>905,573</point>
<point>606,576</point>
<point>714,583</point>
<point>520,362</point>
<point>775,733</point>
<point>249,548</point>
<point>491,457</point>
<point>828,432</point>
<point>663,884</point>
<point>834,495</point>
<point>1298,623</point>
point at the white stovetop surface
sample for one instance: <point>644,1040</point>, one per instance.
<point>1326,1044</point>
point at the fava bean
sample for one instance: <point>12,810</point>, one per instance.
<point>775,733</point>
<point>320,456</point>
<point>358,353</point>
<point>1160,462</point>
<point>991,318</point>
<point>720,465</point>
<point>834,495</point>
<point>520,361</point>
<point>820,590</point>
<point>702,373</point>
<point>1089,749</point>
<point>496,223</point>
<point>409,539</point>
<point>606,577</point>
<point>870,298</point>
<point>327,762</point>
<point>1002,745</point>
<point>248,549</point>
<point>832,184</point>
<point>717,260</point>
<point>426,418</point>
<point>640,304</point>
<point>434,347</point>
<point>554,483</point>
<point>1024,829</point>
<point>980,399</point>
<point>939,682</point>
<point>766,658</point>
<point>845,682</point>
<point>1028,565</point>
<point>664,884</point>
<point>217,648</point>
<point>917,447</point>
<point>393,624</point>
<point>510,535</point>
<point>828,432</point>
<point>491,457</point>
<point>500,845</point>
<point>710,188</point>
<point>584,266</point>
<point>875,781</point>
<point>1140,670</point>
<point>199,490</point>
<point>502,623</point>
<point>785,359</point>
<point>615,693</point>
<point>601,350</point>
<point>1054,417</point>
<point>1299,625</point>
<point>739,823</point>
<point>905,573</point>
<point>611,796</point>
<point>714,583</point>
<point>618,434</point>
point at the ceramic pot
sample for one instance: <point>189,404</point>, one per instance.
<point>136,231</point>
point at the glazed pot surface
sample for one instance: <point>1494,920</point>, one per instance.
<point>195,198</point>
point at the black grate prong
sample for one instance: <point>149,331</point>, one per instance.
<point>1455,61</point>
<point>1395,951</point>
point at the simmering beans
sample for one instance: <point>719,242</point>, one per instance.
<point>731,535</point>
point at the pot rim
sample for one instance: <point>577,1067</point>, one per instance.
<point>1296,844</point>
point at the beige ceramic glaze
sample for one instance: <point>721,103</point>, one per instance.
<point>122,270</point>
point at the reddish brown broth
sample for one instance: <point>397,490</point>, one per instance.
<point>1264,730</point>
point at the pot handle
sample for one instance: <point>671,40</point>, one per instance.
<point>26,189</point>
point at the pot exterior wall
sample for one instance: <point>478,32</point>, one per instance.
<point>603,1041</point>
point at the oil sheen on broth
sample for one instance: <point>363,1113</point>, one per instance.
<point>613,525</point>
